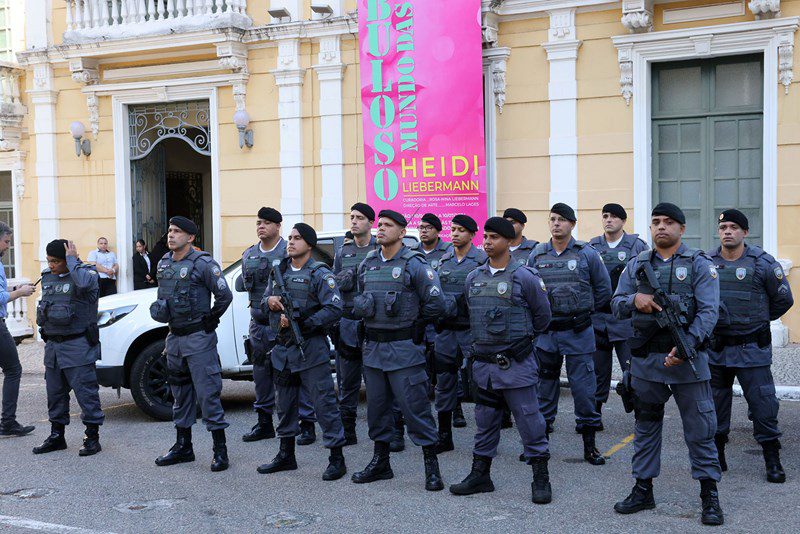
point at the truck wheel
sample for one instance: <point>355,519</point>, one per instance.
<point>149,385</point>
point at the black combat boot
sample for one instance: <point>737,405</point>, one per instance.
<point>445,441</point>
<point>590,452</point>
<point>13,428</point>
<point>91,441</point>
<point>308,434</point>
<point>54,442</point>
<point>541,491</point>
<point>220,461</point>
<point>261,430</point>
<point>772,459</point>
<point>433,478</point>
<point>283,461</point>
<point>336,467</point>
<point>378,468</point>
<point>478,480</point>
<point>398,441</point>
<point>712,511</point>
<point>459,421</point>
<point>349,424</point>
<point>641,498</point>
<point>720,440</point>
<point>181,452</point>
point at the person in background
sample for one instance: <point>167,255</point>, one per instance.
<point>107,267</point>
<point>143,274</point>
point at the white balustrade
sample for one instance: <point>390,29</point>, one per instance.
<point>17,318</point>
<point>89,20</point>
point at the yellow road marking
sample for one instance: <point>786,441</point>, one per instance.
<point>619,446</point>
<point>104,410</point>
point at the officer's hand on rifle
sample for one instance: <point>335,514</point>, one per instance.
<point>672,358</point>
<point>284,321</point>
<point>275,305</point>
<point>645,303</point>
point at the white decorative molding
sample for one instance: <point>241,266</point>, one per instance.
<point>330,72</point>
<point>94,113</point>
<point>12,112</point>
<point>786,60</point>
<point>714,11</point>
<point>84,71</point>
<point>765,9</point>
<point>233,55</point>
<point>494,95</point>
<point>638,52</point>
<point>18,179</point>
<point>153,71</point>
<point>637,15</point>
<point>14,161</point>
<point>562,53</point>
<point>490,28</point>
<point>496,60</point>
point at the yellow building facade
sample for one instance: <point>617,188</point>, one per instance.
<point>587,102</point>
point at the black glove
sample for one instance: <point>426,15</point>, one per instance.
<point>210,323</point>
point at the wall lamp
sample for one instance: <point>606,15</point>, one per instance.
<point>324,10</point>
<point>280,14</point>
<point>241,119</point>
<point>77,129</point>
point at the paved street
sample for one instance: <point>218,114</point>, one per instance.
<point>121,490</point>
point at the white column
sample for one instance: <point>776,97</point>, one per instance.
<point>562,53</point>
<point>494,93</point>
<point>289,77</point>
<point>330,72</point>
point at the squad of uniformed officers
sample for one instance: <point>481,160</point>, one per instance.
<point>497,321</point>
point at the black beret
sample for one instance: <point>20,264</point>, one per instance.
<point>184,224</point>
<point>433,220</point>
<point>565,211</point>
<point>396,217</point>
<point>55,249</point>
<point>467,222</point>
<point>616,210</point>
<point>308,234</point>
<point>517,215</point>
<point>735,216</point>
<point>365,209</point>
<point>271,215</point>
<point>500,225</point>
<point>669,210</point>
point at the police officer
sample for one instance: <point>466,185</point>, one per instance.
<point>256,266</point>
<point>507,305</point>
<point>349,368</point>
<point>186,280</point>
<point>312,289</point>
<point>521,246</point>
<point>454,339</point>
<point>577,285</point>
<point>690,280</point>
<point>616,248</point>
<point>753,291</point>
<point>67,319</point>
<point>398,291</point>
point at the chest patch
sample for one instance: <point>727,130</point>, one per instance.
<point>502,287</point>
<point>741,273</point>
<point>184,272</point>
<point>622,255</point>
<point>396,272</point>
<point>681,273</point>
<point>572,265</point>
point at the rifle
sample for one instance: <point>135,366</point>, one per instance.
<point>291,312</point>
<point>670,316</point>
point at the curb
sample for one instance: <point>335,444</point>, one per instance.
<point>787,393</point>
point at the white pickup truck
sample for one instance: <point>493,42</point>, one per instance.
<point>132,342</point>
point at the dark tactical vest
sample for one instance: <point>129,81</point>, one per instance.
<point>433,257</point>
<point>298,285</point>
<point>187,300</point>
<point>453,276</point>
<point>351,257</point>
<point>568,292</point>
<point>497,321</point>
<point>742,304</point>
<point>395,303</point>
<point>675,278</point>
<point>615,259</point>
<point>256,266</point>
<point>521,254</point>
<point>61,312</point>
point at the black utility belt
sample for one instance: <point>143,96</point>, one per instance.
<point>62,339</point>
<point>383,336</point>
<point>517,352</point>
<point>455,327</point>
<point>762,337</point>
<point>186,330</point>
<point>578,323</point>
<point>660,344</point>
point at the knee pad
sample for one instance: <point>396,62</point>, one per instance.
<point>489,398</point>
<point>179,378</point>
<point>648,411</point>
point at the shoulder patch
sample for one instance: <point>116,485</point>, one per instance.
<point>331,282</point>
<point>221,284</point>
<point>434,291</point>
<point>542,285</point>
<point>216,271</point>
<point>778,270</point>
<point>713,271</point>
<point>429,273</point>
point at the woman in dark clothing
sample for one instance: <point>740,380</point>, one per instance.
<point>143,267</point>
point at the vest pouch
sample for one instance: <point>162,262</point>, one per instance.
<point>391,304</point>
<point>41,312</point>
<point>724,315</point>
<point>346,281</point>
<point>495,322</point>
<point>564,300</point>
<point>180,304</point>
<point>364,306</point>
<point>159,311</point>
<point>60,314</point>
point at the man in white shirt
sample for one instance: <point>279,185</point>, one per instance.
<point>107,267</point>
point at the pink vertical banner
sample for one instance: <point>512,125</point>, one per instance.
<point>422,107</point>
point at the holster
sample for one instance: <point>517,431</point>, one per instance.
<point>625,391</point>
<point>285,378</point>
<point>93,334</point>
